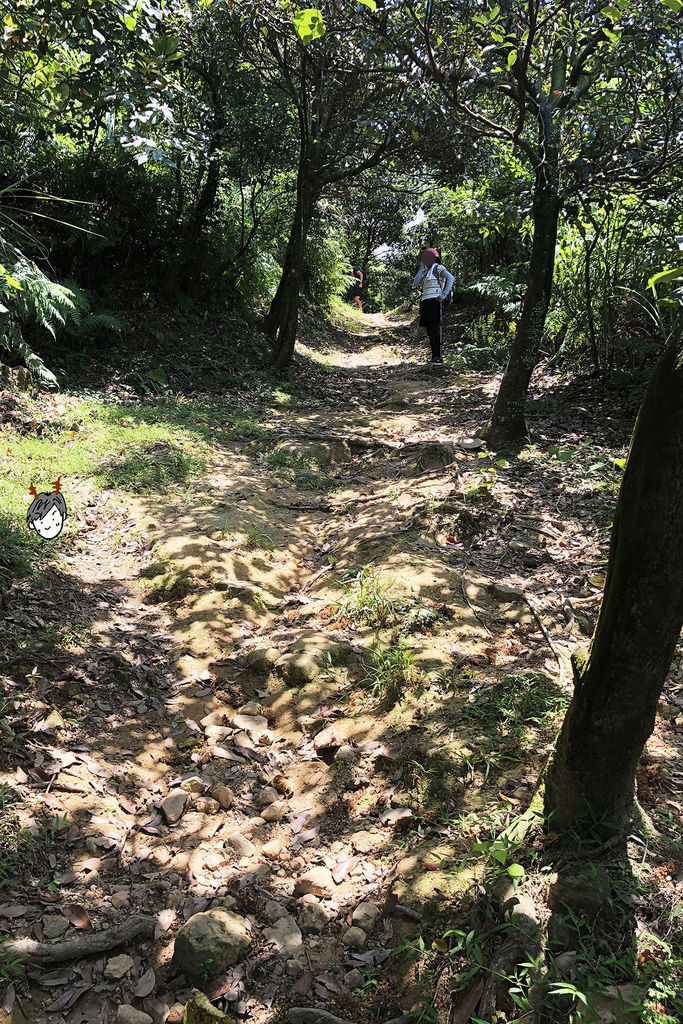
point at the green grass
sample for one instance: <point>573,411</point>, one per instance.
<point>144,447</point>
<point>366,599</point>
<point>391,671</point>
<point>515,709</point>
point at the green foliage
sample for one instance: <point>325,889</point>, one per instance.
<point>391,671</point>
<point>366,598</point>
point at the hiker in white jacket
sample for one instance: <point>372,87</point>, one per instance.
<point>435,283</point>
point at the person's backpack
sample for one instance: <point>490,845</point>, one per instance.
<point>365,278</point>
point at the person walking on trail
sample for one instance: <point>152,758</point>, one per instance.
<point>435,283</point>
<point>357,285</point>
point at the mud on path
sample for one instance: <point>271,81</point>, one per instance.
<point>272,711</point>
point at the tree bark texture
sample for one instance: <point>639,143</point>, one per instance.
<point>507,424</point>
<point>281,321</point>
<point>619,682</point>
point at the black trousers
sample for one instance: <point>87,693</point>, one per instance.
<point>430,319</point>
<point>434,334</point>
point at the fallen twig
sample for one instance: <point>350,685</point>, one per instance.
<point>561,656</point>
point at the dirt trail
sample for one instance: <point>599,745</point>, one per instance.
<point>283,710</point>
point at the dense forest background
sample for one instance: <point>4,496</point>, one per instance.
<point>161,163</point>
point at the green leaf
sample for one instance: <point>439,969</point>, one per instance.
<point>130,22</point>
<point>372,4</point>
<point>673,5</point>
<point>512,57</point>
<point>621,463</point>
<point>309,25</point>
<point>516,871</point>
<point>665,275</point>
<point>611,12</point>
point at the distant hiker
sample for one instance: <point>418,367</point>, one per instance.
<point>357,285</point>
<point>435,283</point>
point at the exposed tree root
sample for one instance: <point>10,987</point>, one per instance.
<point>643,823</point>
<point>86,944</point>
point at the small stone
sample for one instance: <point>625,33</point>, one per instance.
<point>224,795</point>
<point>337,846</point>
<point>286,935</point>
<point>353,979</point>
<point>250,708</point>
<point>294,969</point>
<point>321,878</point>
<point>312,917</point>
<point>219,717</point>
<point>127,1014</point>
<point>268,795</point>
<point>173,805</point>
<point>394,815</point>
<point>366,915</point>
<point>310,725</point>
<point>176,1014</point>
<point>206,805</point>
<point>55,721</point>
<point>345,755</point>
<point>54,925</point>
<point>354,938</point>
<point>262,660</point>
<point>227,902</point>
<point>272,849</point>
<point>120,899</point>
<point>274,811</point>
<point>274,911</point>
<point>297,864</point>
<point>117,966</point>
<point>218,732</point>
<point>327,738</point>
<point>254,725</point>
<point>241,845</point>
<point>298,668</point>
<point>209,943</point>
<point>364,841</point>
<point>193,785</point>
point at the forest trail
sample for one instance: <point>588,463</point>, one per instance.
<point>298,687</point>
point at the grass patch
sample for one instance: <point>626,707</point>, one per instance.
<point>366,599</point>
<point>392,671</point>
<point>153,468</point>
<point>514,710</point>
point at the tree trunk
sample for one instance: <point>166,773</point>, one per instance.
<point>203,206</point>
<point>280,323</point>
<point>618,684</point>
<point>507,424</point>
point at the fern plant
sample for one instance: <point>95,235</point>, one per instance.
<point>29,299</point>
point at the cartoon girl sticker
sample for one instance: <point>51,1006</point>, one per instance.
<point>47,511</point>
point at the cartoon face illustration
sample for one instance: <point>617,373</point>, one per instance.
<point>47,512</point>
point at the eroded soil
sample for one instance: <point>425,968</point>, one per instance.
<point>340,656</point>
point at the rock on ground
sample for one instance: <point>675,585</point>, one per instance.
<point>127,1014</point>
<point>286,935</point>
<point>209,943</point>
<point>117,966</point>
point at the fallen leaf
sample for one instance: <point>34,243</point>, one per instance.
<point>78,916</point>
<point>302,986</point>
<point>342,868</point>
<point>468,1003</point>
<point>146,984</point>
<point>165,919</point>
<point>13,910</point>
<point>10,996</point>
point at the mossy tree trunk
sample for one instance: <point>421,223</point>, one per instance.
<point>591,778</point>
